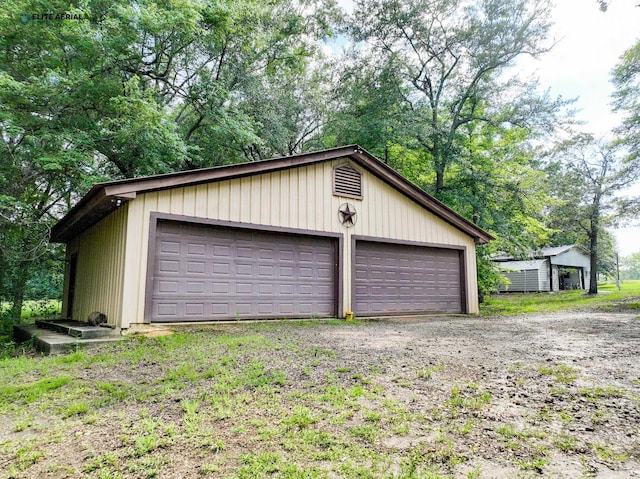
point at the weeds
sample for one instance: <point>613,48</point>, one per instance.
<point>561,373</point>
<point>426,373</point>
<point>239,404</point>
<point>606,453</point>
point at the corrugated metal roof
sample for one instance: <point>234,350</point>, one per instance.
<point>521,265</point>
<point>554,250</point>
<point>538,254</point>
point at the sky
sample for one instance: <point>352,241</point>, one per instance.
<point>589,45</point>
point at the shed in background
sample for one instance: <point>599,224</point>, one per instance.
<point>556,268</point>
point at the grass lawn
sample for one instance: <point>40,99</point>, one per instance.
<point>608,298</point>
<point>236,405</point>
<point>326,400</point>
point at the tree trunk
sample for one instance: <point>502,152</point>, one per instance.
<point>439,181</point>
<point>17,296</point>
<point>593,253</point>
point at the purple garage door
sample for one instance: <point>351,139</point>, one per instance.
<point>400,279</point>
<point>204,273</point>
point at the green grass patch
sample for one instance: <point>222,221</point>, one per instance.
<point>521,303</point>
<point>468,397</point>
<point>595,393</point>
<point>561,373</point>
<point>32,392</point>
<point>606,453</point>
<point>245,401</point>
<point>32,310</point>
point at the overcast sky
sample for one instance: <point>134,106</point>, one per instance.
<point>590,43</point>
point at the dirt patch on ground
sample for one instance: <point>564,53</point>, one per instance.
<point>567,384</point>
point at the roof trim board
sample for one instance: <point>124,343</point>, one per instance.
<point>103,198</point>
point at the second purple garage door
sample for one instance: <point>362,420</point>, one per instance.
<point>205,273</point>
<point>399,279</point>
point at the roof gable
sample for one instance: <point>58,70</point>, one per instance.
<point>542,253</point>
<point>104,198</point>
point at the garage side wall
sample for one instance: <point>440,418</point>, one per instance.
<point>100,253</point>
<point>298,198</point>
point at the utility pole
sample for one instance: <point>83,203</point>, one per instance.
<point>618,271</point>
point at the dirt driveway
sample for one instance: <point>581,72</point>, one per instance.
<point>552,394</point>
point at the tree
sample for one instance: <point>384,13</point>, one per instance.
<point>369,109</point>
<point>138,88</point>
<point>452,59</point>
<point>428,89</point>
<point>626,81</point>
<point>588,175</point>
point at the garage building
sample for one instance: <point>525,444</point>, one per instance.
<point>305,236</point>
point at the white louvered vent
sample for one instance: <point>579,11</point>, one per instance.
<point>347,181</point>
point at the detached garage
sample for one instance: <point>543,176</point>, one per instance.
<point>306,236</point>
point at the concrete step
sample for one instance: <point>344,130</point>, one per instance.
<point>52,342</point>
<point>76,329</point>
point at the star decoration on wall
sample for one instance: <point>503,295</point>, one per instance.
<point>347,214</point>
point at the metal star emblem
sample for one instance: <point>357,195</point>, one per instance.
<point>347,214</point>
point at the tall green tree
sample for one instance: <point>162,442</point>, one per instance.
<point>44,160</point>
<point>137,88</point>
<point>588,176</point>
<point>453,59</point>
<point>369,107</point>
<point>630,267</point>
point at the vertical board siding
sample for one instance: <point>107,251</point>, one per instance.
<point>100,268</point>
<point>543,277</point>
<point>300,198</point>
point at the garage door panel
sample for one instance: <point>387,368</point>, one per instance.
<point>169,247</point>
<point>168,266</point>
<point>395,279</point>
<point>207,273</point>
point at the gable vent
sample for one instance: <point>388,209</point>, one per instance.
<point>347,181</point>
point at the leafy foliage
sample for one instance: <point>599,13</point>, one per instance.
<point>630,267</point>
<point>626,80</point>
<point>447,61</point>
<point>138,88</point>
<point>146,87</point>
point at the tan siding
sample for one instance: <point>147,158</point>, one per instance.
<point>253,187</point>
<point>189,200</point>
<point>297,198</point>
<point>135,258</point>
<point>274,199</point>
<point>233,200</point>
<point>224,196</point>
<point>100,268</point>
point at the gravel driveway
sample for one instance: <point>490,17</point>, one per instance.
<point>564,387</point>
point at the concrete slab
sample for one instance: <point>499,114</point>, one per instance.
<point>52,342</point>
<point>77,329</point>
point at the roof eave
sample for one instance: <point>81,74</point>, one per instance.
<point>94,206</point>
<point>104,198</point>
